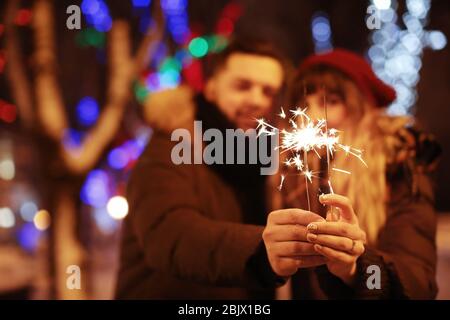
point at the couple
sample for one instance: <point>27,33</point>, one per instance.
<point>224,231</point>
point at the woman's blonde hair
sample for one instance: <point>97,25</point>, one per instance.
<point>366,127</point>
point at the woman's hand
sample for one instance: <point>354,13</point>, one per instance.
<point>341,241</point>
<point>286,244</point>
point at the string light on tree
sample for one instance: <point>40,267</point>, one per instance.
<point>7,169</point>
<point>117,207</point>
<point>198,47</point>
<point>396,53</point>
<point>87,111</point>
<point>28,210</point>
<point>97,14</point>
<point>175,13</point>
<point>321,32</point>
<point>7,218</point>
<point>42,220</point>
<point>141,3</point>
<point>193,47</point>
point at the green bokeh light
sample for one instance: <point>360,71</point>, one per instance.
<point>91,37</point>
<point>141,92</point>
<point>216,43</point>
<point>170,64</point>
<point>198,47</point>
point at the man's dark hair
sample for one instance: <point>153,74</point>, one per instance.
<point>248,45</point>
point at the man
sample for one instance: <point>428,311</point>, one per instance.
<point>194,230</point>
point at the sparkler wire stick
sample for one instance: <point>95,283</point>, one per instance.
<point>328,149</point>
<point>326,132</point>
<point>305,155</point>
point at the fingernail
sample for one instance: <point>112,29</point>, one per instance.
<point>311,237</point>
<point>323,197</point>
<point>312,227</point>
<point>318,246</point>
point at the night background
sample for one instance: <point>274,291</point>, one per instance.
<point>72,117</point>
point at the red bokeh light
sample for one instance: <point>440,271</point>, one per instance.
<point>2,61</point>
<point>23,17</point>
<point>225,26</point>
<point>7,112</point>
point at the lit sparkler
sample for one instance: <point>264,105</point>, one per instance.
<point>307,135</point>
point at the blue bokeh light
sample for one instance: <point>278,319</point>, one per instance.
<point>97,14</point>
<point>95,191</point>
<point>87,111</point>
<point>104,221</point>
<point>28,210</point>
<point>72,138</point>
<point>28,236</point>
<point>141,3</point>
<point>321,32</point>
<point>175,12</point>
<point>118,158</point>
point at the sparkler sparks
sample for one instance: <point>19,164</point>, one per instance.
<point>331,187</point>
<point>308,175</point>
<point>341,170</point>
<point>281,183</point>
<point>307,135</point>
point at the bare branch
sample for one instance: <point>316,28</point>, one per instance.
<point>15,70</point>
<point>152,37</point>
<point>123,70</point>
<point>50,107</point>
<point>85,157</point>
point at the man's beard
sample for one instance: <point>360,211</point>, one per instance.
<point>246,117</point>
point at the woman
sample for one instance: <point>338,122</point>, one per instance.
<point>382,244</point>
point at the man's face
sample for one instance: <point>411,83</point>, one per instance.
<point>244,89</point>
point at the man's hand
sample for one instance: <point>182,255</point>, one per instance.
<point>286,243</point>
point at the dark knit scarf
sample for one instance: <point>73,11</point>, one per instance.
<point>245,179</point>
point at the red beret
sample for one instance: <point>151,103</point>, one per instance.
<point>357,69</point>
